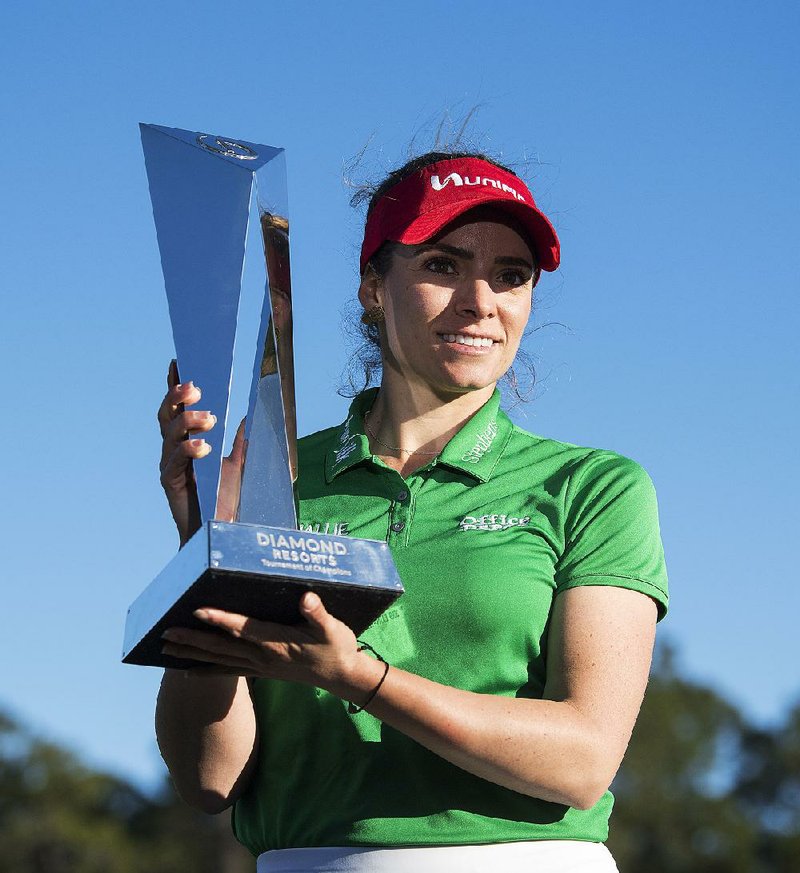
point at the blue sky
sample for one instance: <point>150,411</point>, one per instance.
<point>662,139</point>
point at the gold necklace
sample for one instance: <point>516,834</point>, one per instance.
<point>372,436</point>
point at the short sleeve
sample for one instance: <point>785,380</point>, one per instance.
<point>611,531</point>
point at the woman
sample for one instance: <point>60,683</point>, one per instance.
<point>534,575</point>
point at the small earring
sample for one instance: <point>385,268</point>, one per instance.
<point>374,315</point>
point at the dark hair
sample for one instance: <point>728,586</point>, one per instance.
<point>367,361</point>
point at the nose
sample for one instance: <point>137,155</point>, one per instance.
<point>477,299</point>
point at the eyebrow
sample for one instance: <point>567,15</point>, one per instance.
<point>466,254</point>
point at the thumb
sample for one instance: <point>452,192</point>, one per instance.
<point>313,610</point>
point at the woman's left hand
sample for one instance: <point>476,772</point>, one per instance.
<point>321,651</point>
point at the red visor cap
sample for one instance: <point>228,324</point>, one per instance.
<point>419,206</point>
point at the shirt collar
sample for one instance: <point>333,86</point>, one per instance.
<point>350,444</point>
<point>479,445</point>
<point>475,449</point>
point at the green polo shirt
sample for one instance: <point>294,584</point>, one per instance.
<point>484,537</point>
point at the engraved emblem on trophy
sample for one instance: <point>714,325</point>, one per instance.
<point>207,193</point>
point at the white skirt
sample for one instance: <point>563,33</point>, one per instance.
<point>541,856</point>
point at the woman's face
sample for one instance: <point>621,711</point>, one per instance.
<point>456,306</point>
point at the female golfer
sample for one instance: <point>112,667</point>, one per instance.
<point>486,732</point>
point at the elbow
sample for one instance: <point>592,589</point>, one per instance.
<point>581,782</point>
<point>587,784</point>
<point>207,801</point>
<point>579,793</point>
<point>211,795</point>
<point>586,796</point>
<point>587,772</point>
<point>576,787</point>
<point>211,792</point>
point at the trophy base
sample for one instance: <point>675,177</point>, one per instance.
<point>261,572</point>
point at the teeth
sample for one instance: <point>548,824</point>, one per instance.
<point>480,341</point>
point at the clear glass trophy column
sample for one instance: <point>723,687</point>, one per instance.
<point>206,192</point>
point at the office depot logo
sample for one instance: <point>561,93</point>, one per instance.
<point>458,180</point>
<point>492,522</point>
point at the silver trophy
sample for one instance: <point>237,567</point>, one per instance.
<point>206,192</point>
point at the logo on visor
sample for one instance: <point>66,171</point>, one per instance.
<point>458,180</point>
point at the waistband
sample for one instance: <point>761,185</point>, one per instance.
<point>541,856</point>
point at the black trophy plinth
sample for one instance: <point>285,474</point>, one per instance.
<point>261,572</point>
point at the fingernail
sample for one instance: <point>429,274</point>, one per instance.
<point>311,601</point>
<point>202,614</point>
<point>185,386</point>
<point>197,443</point>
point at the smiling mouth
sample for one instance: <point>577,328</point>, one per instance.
<point>462,340</point>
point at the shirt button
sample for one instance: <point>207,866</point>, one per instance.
<point>403,495</point>
<point>398,526</point>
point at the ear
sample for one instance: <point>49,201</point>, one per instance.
<point>370,291</point>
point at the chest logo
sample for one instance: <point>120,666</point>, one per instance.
<point>334,528</point>
<point>492,522</point>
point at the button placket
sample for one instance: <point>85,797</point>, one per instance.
<point>398,521</point>
<point>401,512</point>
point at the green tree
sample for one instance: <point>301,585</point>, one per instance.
<point>702,790</point>
<point>59,816</point>
<point>768,789</point>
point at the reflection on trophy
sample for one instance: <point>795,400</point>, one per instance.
<point>279,347</point>
<point>203,189</point>
<point>274,414</point>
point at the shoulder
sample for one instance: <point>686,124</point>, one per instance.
<point>607,515</point>
<point>578,465</point>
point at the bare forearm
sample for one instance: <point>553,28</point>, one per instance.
<point>206,731</point>
<point>564,748</point>
<point>541,748</point>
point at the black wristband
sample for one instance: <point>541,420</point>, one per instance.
<point>352,709</point>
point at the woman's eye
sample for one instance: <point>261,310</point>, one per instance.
<point>445,266</point>
<point>514,278</point>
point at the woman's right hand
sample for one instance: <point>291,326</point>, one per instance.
<point>178,453</point>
